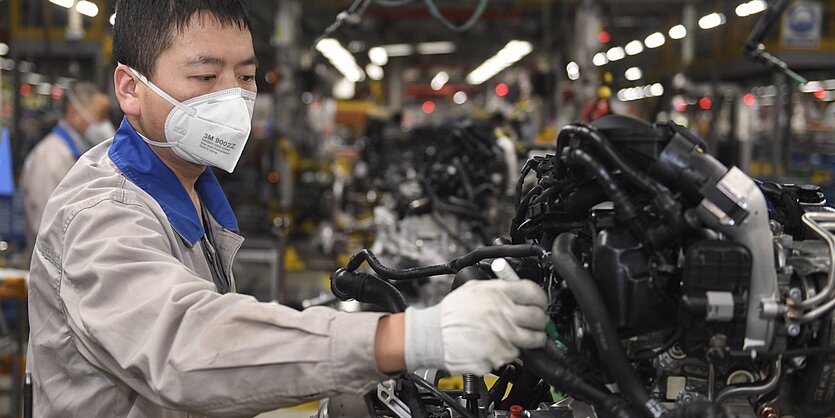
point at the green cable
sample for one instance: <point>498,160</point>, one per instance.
<point>433,10</point>
<point>393,3</point>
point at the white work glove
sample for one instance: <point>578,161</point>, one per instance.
<point>477,328</point>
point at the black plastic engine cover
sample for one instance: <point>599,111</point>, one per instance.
<point>621,268</point>
<point>713,265</point>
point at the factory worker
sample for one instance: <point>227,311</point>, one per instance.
<point>84,124</point>
<point>132,305</point>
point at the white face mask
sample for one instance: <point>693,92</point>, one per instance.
<point>211,129</point>
<point>96,132</point>
<point>100,132</point>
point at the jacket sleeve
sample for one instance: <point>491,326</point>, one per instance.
<point>43,171</point>
<point>139,315</point>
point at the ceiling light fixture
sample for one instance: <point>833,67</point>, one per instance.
<point>655,40</point>
<point>711,21</point>
<point>435,48</point>
<point>340,58</point>
<point>514,51</point>
<point>677,32</point>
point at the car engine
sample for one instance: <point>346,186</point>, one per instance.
<point>678,287</point>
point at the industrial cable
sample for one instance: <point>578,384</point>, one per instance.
<point>433,10</point>
<point>388,273</point>
<point>352,15</point>
<point>665,199</point>
<point>582,285</point>
<point>346,285</point>
<point>473,257</point>
<point>549,368</point>
<point>411,397</point>
<point>623,204</point>
<point>440,394</point>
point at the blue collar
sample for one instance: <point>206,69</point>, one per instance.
<point>61,132</point>
<point>142,167</point>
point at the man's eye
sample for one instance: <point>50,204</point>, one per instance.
<point>205,77</point>
<point>248,78</point>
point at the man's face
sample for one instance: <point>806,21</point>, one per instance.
<point>206,57</point>
<point>99,108</point>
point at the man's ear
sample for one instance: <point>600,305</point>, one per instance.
<point>125,88</point>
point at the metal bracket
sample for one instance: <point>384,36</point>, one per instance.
<point>386,395</point>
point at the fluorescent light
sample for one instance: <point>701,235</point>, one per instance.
<point>87,8</point>
<point>344,89</point>
<point>756,6</point>
<point>514,51</point>
<point>374,71</point>
<point>655,40</point>
<point>511,53</point>
<point>398,50</point>
<point>63,3</point>
<point>439,81</point>
<point>340,58</point>
<point>4,49</point>
<point>750,8</point>
<point>378,55</point>
<point>640,92</point>
<point>677,32</point>
<point>573,70</point>
<point>113,19</point>
<point>615,54</point>
<point>711,21</point>
<point>656,89</point>
<point>633,74</point>
<point>433,48</point>
<point>459,97</point>
<point>634,48</point>
<point>599,59</point>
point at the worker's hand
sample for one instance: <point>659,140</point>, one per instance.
<point>477,328</point>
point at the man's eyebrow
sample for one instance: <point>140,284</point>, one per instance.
<point>253,60</point>
<point>204,60</point>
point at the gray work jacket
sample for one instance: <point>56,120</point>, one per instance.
<point>43,169</point>
<point>127,322</point>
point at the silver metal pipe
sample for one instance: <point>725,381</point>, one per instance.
<point>752,389</point>
<point>811,220</point>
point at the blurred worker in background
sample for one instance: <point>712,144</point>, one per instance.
<point>131,296</point>
<point>85,123</point>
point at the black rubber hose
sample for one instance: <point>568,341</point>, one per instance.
<point>366,288</point>
<point>558,375</point>
<point>496,393</point>
<point>623,204</point>
<point>388,273</point>
<point>611,351</point>
<point>411,397</point>
<point>666,202</point>
<point>516,250</point>
<point>479,254</point>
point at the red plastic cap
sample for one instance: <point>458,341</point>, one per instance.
<point>516,411</point>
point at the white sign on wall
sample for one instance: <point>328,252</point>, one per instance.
<point>802,25</point>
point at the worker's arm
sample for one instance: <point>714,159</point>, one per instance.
<point>388,343</point>
<point>139,315</point>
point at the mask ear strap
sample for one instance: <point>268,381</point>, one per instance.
<point>74,102</point>
<point>157,143</point>
<point>190,110</point>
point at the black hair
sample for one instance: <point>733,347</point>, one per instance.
<point>145,28</point>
